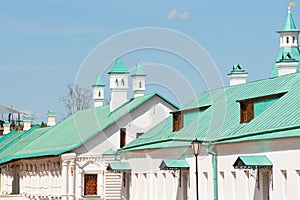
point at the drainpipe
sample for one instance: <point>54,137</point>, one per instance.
<point>215,170</point>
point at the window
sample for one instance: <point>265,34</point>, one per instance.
<point>294,40</point>
<point>140,84</point>
<point>90,184</point>
<point>246,112</point>
<point>287,40</point>
<point>99,94</point>
<point>117,82</point>
<point>123,82</point>
<point>177,121</point>
<point>122,137</point>
<point>250,108</point>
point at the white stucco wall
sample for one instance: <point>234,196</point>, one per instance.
<point>139,120</point>
<point>232,183</point>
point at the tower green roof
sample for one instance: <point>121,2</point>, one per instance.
<point>138,71</point>
<point>99,81</point>
<point>118,68</point>
<point>238,69</point>
<point>289,24</point>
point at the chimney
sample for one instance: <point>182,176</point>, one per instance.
<point>286,65</point>
<point>6,127</point>
<point>27,120</point>
<point>51,118</point>
<point>237,75</point>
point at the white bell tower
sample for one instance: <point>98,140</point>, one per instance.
<point>118,85</point>
<point>288,57</point>
<point>138,81</point>
<point>98,92</point>
<point>289,33</point>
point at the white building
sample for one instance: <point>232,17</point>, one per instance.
<point>68,160</point>
<point>249,135</point>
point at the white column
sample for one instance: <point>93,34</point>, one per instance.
<point>71,192</point>
<point>79,182</point>
<point>64,176</point>
<point>68,176</point>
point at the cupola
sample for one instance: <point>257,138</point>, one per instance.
<point>138,81</point>
<point>118,85</point>
<point>237,75</point>
<point>98,92</point>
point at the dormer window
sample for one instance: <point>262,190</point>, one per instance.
<point>177,121</point>
<point>250,108</point>
<point>246,112</point>
<point>178,116</point>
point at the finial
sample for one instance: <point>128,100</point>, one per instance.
<point>291,4</point>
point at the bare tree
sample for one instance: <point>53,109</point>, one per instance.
<point>76,99</point>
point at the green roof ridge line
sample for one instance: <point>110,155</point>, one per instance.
<point>138,71</point>
<point>7,135</point>
<point>118,68</point>
<point>19,138</point>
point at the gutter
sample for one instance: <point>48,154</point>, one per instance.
<point>215,170</point>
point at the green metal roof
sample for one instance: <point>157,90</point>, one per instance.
<point>253,161</point>
<point>99,81</point>
<point>119,166</point>
<point>68,134</point>
<point>289,22</point>
<point>138,71</point>
<point>174,164</point>
<point>26,117</point>
<point>118,68</point>
<point>221,121</point>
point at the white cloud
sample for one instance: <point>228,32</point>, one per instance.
<point>184,16</point>
<point>173,15</point>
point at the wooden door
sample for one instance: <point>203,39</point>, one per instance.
<point>90,184</point>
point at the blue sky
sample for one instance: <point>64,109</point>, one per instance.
<point>44,43</point>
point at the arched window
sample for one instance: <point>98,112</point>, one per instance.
<point>140,84</point>
<point>99,94</point>
<point>122,81</point>
<point>117,82</point>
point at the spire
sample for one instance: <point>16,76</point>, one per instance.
<point>289,21</point>
<point>138,71</point>
<point>118,68</point>
<point>99,81</point>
